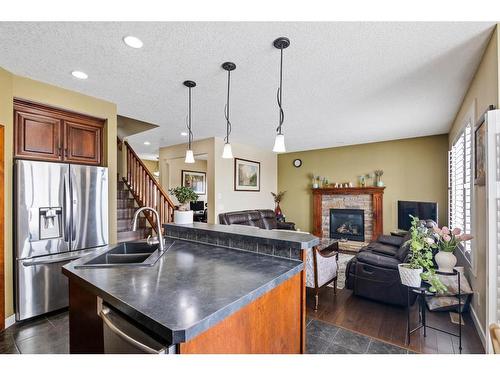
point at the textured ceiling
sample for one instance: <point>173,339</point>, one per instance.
<point>344,83</point>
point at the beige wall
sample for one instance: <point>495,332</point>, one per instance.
<point>483,91</point>
<point>414,169</point>
<point>175,168</point>
<point>151,165</point>
<point>229,200</point>
<point>6,119</point>
<point>15,86</point>
<point>201,147</point>
<point>220,175</point>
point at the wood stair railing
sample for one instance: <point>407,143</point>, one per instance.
<point>145,189</point>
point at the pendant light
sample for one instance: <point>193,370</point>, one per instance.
<point>279,143</point>
<point>189,152</point>
<point>228,153</point>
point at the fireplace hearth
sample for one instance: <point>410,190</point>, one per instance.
<point>347,224</point>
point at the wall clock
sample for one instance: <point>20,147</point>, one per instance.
<point>297,163</point>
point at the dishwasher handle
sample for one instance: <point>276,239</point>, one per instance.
<point>105,312</point>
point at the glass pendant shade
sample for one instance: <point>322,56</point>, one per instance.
<point>227,153</point>
<point>279,143</point>
<point>189,157</point>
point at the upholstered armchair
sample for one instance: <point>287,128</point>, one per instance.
<point>321,267</point>
<point>321,270</point>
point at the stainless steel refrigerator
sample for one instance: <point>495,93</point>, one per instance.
<point>61,211</point>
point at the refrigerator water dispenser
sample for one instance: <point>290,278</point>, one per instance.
<point>50,219</point>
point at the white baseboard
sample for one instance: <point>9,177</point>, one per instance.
<point>10,320</point>
<point>479,329</point>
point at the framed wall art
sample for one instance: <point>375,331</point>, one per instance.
<point>195,180</point>
<point>246,175</point>
<point>480,153</point>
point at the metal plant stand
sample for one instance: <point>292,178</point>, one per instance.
<point>422,292</point>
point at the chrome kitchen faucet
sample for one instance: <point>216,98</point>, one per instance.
<point>158,225</point>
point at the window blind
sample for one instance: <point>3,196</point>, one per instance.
<point>460,185</point>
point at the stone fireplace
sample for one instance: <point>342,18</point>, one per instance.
<point>347,224</point>
<point>353,215</point>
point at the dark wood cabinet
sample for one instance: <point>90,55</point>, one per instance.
<point>52,134</point>
<point>38,136</point>
<point>82,143</point>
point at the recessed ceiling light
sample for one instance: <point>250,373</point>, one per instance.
<point>184,134</point>
<point>133,42</point>
<point>78,74</point>
<point>147,143</point>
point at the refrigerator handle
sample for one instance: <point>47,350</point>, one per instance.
<point>67,209</point>
<point>73,207</point>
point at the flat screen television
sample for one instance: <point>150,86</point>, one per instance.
<point>197,206</point>
<point>422,210</point>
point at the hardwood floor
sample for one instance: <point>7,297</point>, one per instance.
<point>388,323</point>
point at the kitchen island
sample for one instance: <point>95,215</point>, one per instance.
<point>197,298</point>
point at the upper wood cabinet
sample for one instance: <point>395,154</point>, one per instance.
<point>38,136</point>
<point>51,134</point>
<point>82,142</point>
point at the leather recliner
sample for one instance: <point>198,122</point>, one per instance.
<point>373,272</point>
<point>264,219</point>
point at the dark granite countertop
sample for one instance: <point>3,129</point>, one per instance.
<point>305,240</point>
<point>189,289</point>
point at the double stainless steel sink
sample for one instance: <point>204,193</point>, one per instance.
<point>137,254</point>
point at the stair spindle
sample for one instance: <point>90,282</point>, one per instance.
<point>145,189</point>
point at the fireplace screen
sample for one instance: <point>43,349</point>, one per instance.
<point>347,224</point>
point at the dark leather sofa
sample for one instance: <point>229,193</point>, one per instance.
<point>373,272</point>
<point>264,219</point>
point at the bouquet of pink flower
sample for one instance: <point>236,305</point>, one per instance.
<point>448,240</point>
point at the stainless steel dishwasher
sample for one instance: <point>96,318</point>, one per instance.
<point>124,337</point>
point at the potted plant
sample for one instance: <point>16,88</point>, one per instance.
<point>378,174</point>
<point>420,266</point>
<point>184,195</point>
<point>447,242</point>
<point>278,197</point>
<point>315,181</point>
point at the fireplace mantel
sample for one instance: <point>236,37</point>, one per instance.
<point>377,201</point>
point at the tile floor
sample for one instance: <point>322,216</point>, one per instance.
<point>326,338</point>
<point>50,335</point>
<point>46,335</point>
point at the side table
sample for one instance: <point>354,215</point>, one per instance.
<point>422,292</point>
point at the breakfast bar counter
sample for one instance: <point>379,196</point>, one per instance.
<point>198,297</point>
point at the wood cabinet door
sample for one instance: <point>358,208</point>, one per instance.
<point>83,142</point>
<point>37,136</point>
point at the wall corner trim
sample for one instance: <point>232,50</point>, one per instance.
<point>9,321</point>
<point>479,329</point>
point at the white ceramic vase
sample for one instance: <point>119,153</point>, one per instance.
<point>183,217</point>
<point>410,276</point>
<point>446,261</point>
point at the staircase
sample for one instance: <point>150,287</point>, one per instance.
<point>126,207</point>
<point>137,189</point>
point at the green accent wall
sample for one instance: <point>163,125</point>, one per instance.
<point>414,169</point>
